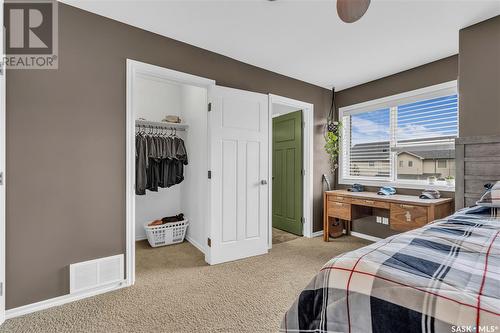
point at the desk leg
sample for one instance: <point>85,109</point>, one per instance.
<point>326,225</point>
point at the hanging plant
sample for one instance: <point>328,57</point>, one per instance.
<point>332,144</point>
<point>332,136</point>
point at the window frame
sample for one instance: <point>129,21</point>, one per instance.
<point>435,91</point>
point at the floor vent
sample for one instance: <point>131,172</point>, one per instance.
<point>95,273</point>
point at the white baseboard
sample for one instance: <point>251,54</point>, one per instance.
<point>195,244</point>
<point>317,233</point>
<point>364,236</point>
<point>140,238</point>
<point>56,301</point>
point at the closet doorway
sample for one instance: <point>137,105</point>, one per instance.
<point>225,191</point>
<point>291,169</point>
<point>153,93</point>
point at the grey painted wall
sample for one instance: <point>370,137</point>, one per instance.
<point>66,145</point>
<point>479,72</point>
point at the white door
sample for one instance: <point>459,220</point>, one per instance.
<point>239,136</point>
<point>2,177</point>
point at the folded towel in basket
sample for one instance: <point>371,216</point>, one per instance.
<point>155,222</point>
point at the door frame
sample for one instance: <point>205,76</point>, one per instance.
<point>307,161</point>
<point>136,68</point>
<point>3,158</point>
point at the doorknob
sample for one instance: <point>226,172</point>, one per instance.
<point>263,182</point>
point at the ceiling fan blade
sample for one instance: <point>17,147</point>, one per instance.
<point>352,10</point>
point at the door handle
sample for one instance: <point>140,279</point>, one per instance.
<point>407,206</point>
<point>263,182</point>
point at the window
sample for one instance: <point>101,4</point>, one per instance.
<point>418,127</point>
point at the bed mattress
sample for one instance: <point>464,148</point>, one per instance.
<point>443,277</point>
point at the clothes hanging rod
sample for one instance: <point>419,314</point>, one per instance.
<point>161,125</point>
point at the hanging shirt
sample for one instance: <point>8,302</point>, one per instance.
<point>171,163</point>
<point>179,161</point>
<point>164,162</point>
<point>153,170</point>
<point>180,151</point>
<point>141,164</point>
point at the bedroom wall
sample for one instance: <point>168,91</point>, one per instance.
<point>479,72</point>
<point>436,72</point>
<point>66,145</point>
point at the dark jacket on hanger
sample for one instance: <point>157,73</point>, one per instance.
<point>141,164</point>
<point>153,170</point>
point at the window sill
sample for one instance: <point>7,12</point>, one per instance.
<point>439,185</point>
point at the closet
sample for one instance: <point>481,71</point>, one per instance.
<point>175,187</point>
<point>224,192</point>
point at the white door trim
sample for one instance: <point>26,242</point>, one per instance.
<point>308,117</point>
<point>134,69</point>
<point>3,192</point>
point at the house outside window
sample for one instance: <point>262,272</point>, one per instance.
<point>442,163</point>
<point>401,140</point>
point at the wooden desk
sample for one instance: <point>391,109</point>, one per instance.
<point>405,212</point>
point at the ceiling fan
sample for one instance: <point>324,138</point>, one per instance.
<point>350,11</point>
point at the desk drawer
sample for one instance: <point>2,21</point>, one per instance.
<point>407,217</point>
<point>338,198</point>
<point>339,210</point>
<point>371,203</point>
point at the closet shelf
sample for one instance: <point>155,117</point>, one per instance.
<point>161,124</point>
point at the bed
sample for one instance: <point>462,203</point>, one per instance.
<point>443,277</point>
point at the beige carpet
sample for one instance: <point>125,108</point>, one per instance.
<point>280,236</point>
<point>176,291</point>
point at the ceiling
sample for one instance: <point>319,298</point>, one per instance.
<point>305,39</point>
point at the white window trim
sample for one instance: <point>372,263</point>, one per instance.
<point>437,90</point>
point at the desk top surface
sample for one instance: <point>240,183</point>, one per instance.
<point>396,198</point>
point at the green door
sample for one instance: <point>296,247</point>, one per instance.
<point>287,172</point>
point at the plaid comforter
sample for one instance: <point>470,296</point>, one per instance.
<point>443,277</point>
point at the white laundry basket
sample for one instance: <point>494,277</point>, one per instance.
<point>166,234</point>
